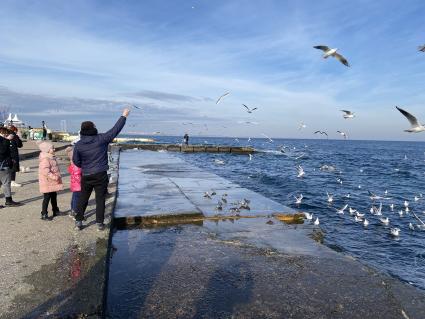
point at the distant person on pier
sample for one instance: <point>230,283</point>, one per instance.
<point>91,155</point>
<point>186,139</point>
<point>16,144</point>
<point>44,127</point>
<point>6,165</point>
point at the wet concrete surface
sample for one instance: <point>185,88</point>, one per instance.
<point>250,266</point>
<point>153,183</point>
<point>191,272</point>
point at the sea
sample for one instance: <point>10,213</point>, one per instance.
<point>350,170</point>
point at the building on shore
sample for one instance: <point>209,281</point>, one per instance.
<point>15,121</point>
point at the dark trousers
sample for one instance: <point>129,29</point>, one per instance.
<point>13,176</point>
<point>98,182</point>
<point>74,200</point>
<point>50,197</point>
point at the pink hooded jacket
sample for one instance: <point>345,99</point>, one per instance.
<point>75,173</point>
<point>49,176</point>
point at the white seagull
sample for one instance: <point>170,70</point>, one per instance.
<point>270,140</point>
<point>341,211</point>
<point>357,219</point>
<point>221,97</point>
<point>385,220</point>
<point>343,134</point>
<point>411,227</point>
<point>298,199</point>
<point>249,110</point>
<point>416,127</point>
<point>365,223</point>
<point>308,216</point>
<point>300,171</point>
<point>352,210</point>
<point>316,222</point>
<point>302,125</point>
<point>330,197</point>
<point>332,52</point>
<point>395,232</point>
<point>348,114</point>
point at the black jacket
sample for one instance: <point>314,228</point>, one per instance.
<point>91,151</point>
<point>5,157</point>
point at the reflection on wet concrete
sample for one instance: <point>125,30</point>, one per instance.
<point>197,272</point>
<point>68,288</point>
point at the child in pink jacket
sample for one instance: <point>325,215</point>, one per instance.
<point>49,178</point>
<point>75,187</point>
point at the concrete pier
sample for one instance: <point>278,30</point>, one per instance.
<point>190,148</point>
<point>227,264</point>
<point>48,269</point>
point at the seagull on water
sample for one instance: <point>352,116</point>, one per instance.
<point>343,134</point>
<point>348,114</point>
<point>365,223</point>
<point>316,222</point>
<point>385,220</point>
<point>392,207</point>
<point>358,219</point>
<point>400,213</point>
<point>332,52</point>
<point>221,97</point>
<point>298,199</point>
<point>330,197</point>
<point>352,211</point>
<point>250,157</point>
<point>249,110</point>
<point>416,127</point>
<point>308,216</point>
<point>341,211</point>
<point>395,232</point>
<point>411,227</point>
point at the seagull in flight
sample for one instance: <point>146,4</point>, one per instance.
<point>248,109</point>
<point>322,133</point>
<point>270,140</point>
<point>298,199</point>
<point>347,114</point>
<point>421,48</point>
<point>302,125</point>
<point>343,134</point>
<point>300,171</point>
<point>221,97</point>
<point>332,52</point>
<point>416,127</point>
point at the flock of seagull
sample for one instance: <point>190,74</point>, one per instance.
<point>358,217</point>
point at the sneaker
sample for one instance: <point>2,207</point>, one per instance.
<point>79,225</point>
<point>14,184</point>
<point>56,212</point>
<point>44,217</point>
<point>100,226</point>
<point>11,203</point>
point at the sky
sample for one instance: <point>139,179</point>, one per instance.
<point>86,59</point>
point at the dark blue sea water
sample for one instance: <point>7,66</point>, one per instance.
<point>398,167</point>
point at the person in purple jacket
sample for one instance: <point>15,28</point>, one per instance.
<point>91,155</point>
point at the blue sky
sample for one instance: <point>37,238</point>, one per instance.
<point>83,60</point>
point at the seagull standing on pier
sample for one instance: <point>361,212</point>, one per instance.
<point>332,52</point>
<point>416,126</point>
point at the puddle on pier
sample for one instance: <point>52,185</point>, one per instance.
<point>69,288</point>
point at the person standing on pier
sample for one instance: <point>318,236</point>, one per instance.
<point>6,165</point>
<point>44,127</point>
<point>186,139</point>
<point>16,143</point>
<point>91,155</point>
